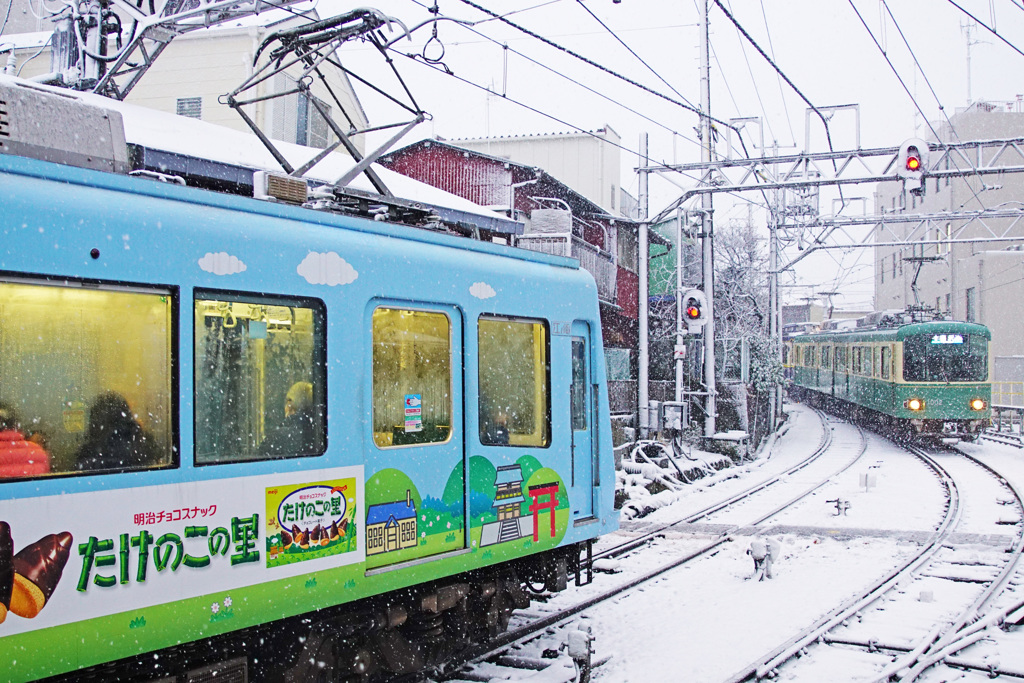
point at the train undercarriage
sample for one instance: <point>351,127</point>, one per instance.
<point>389,637</point>
<point>904,430</point>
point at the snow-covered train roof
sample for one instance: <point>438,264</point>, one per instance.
<point>165,132</point>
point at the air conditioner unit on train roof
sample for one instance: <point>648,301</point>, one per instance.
<point>85,136</point>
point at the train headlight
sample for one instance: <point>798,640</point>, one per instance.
<point>914,404</point>
<point>978,404</point>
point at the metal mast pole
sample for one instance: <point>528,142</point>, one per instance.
<point>707,225</point>
<point>680,337</point>
<point>644,201</point>
<point>773,304</point>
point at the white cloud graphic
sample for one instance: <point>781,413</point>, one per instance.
<point>482,290</point>
<point>221,263</point>
<point>326,269</point>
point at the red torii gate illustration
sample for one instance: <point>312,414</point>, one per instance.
<point>536,507</point>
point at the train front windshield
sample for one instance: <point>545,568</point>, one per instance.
<point>945,358</point>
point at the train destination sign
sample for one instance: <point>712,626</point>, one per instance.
<point>947,339</point>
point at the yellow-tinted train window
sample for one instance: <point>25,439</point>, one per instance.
<point>85,376</point>
<point>412,377</point>
<point>514,392</point>
<point>260,378</point>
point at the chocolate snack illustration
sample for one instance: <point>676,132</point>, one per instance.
<point>6,569</point>
<point>37,571</point>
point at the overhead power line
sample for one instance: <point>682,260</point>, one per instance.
<point>587,60</point>
<point>942,109</point>
<point>600,94</point>
<point>638,57</point>
<point>775,66</point>
<point>987,27</point>
<point>785,105</point>
<point>442,69</point>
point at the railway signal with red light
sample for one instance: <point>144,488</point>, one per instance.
<point>911,164</point>
<point>695,310</point>
<point>913,160</point>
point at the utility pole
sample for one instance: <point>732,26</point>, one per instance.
<point>641,379</point>
<point>707,225</point>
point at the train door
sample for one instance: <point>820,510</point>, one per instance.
<point>582,411</point>
<point>416,472</point>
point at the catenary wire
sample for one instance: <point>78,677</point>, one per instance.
<point>824,121</point>
<point>905,88</point>
<point>937,101</point>
<point>416,58</point>
<point>987,27</point>
<point>524,9</point>
<point>582,85</point>
<point>778,79</point>
<point>688,107</point>
<point>779,71</point>
<point>632,52</point>
<point>486,38</point>
<point>757,91</point>
<point>599,66</point>
<point>441,69</point>
<point>7,16</point>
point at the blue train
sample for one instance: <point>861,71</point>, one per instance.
<point>252,437</point>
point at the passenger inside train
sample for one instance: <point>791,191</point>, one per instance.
<point>114,439</point>
<point>296,434</point>
<point>19,457</point>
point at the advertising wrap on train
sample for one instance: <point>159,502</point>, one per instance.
<point>174,542</point>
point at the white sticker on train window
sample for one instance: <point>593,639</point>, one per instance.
<point>947,339</point>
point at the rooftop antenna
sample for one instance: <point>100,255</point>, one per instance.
<point>967,29</point>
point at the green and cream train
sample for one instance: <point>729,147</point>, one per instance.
<point>920,380</point>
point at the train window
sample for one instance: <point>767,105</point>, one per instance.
<point>260,377</point>
<point>826,357</point>
<point>886,355</point>
<point>412,377</point>
<point>945,358</point>
<point>514,384</point>
<point>578,390</point>
<point>86,374</point>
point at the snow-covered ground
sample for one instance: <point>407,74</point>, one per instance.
<point>707,620</point>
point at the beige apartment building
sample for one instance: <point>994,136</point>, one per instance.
<point>981,281</point>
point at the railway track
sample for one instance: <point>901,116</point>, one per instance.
<point>543,628</point>
<point>1003,438</point>
<point>902,655</point>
